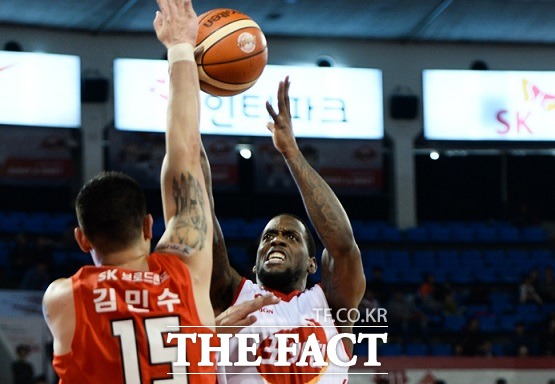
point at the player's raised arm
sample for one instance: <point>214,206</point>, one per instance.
<point>225,279</point>
<point>343,278</point>
<point>184,198</point>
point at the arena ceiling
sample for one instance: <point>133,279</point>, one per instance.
<point>476,21</point>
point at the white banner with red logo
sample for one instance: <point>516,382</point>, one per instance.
<point>489,105</point>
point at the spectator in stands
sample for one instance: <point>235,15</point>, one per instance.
<point>37,277</point>
<point>428,294</point>
<point>404,314</point>
<point>549,337</point>
<point>522,343</point>
<point>366,306</point>
<point>377,285</point>
<point>368,302</point>
<point>472,339</point>
<point>546,285</point>
<point>450,301</point>
<point>527,291</point>
<point>20,257</point>
<point>22,370</point>
<point>526,215</point>
<point>478,294</point>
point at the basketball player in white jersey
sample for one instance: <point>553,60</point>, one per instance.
<point>285,258</point>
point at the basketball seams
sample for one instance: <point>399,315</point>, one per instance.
<point>250,56</point>
<point>204,75</point>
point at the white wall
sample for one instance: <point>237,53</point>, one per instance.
<point>401,63</point>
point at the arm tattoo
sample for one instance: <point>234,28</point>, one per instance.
<point>319,199</point>
<point>190,217</point>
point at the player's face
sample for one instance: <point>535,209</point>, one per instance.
<point>282,260</point>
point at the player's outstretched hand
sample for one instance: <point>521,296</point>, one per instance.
<point>176,22</point>
<point>237,317</point>
<point>281,127</point>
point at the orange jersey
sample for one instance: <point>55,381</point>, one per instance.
<point>123,318</point>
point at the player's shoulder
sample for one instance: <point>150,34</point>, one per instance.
<point>59,292</point>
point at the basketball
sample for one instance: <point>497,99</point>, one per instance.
<point>235,52</point>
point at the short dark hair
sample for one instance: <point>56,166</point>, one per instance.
<point>111,208</point>
<point>310,243</point>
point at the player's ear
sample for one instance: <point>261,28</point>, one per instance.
<point>254,269</point>
<point>312,265</point>
<point>82,240</point>
<point>148,221</point>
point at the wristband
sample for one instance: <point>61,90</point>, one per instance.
<point>181,52</point>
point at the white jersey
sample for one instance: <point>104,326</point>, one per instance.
<point>303,313</point>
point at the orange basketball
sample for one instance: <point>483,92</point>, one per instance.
<point>235,52</point>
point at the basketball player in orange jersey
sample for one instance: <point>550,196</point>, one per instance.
<point>110,321</point>
<point>285,258</point>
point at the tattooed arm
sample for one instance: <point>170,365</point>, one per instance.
<point>185,202</point>
<point>343,278</point>
<point>225,279</point>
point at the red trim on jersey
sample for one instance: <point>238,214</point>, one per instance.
<point>281,295</point>
<point>238,291</point>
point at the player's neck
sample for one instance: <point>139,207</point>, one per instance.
<point>132,258</point>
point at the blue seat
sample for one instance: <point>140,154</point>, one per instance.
<point>534,234</point>
<point>542,256</point>
<point>416,349</point>
<point>448,258</point>
<point>471,257</point>
<point>367,233</point>
<point>463,234</point>
<point>530,313</point>
<point>488,324</point>
<point>507,322</point>
<point>485,275</point>
<point>398,257</point>
<point>485,234</point>
<point>440,275</point>
<point>390,234</point>
<point>517,256</point>
<point>440,234</point>
<point>461,275</point>
<point>454,322</point>
<point>498,349</point>
<point>374,257</point>
<point>390,349</point>
<point>390,275</point>
<point>251,229</point>
<point>509,234</point>
<point>231,227</point>
<point>500,302</point>
<point>59,258</point>
<point>425,259</point>
<point>441,349</point>
<point>493,257</point>
<point>476,310</point>
<point>409,274</point>
<point>417,234</point>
